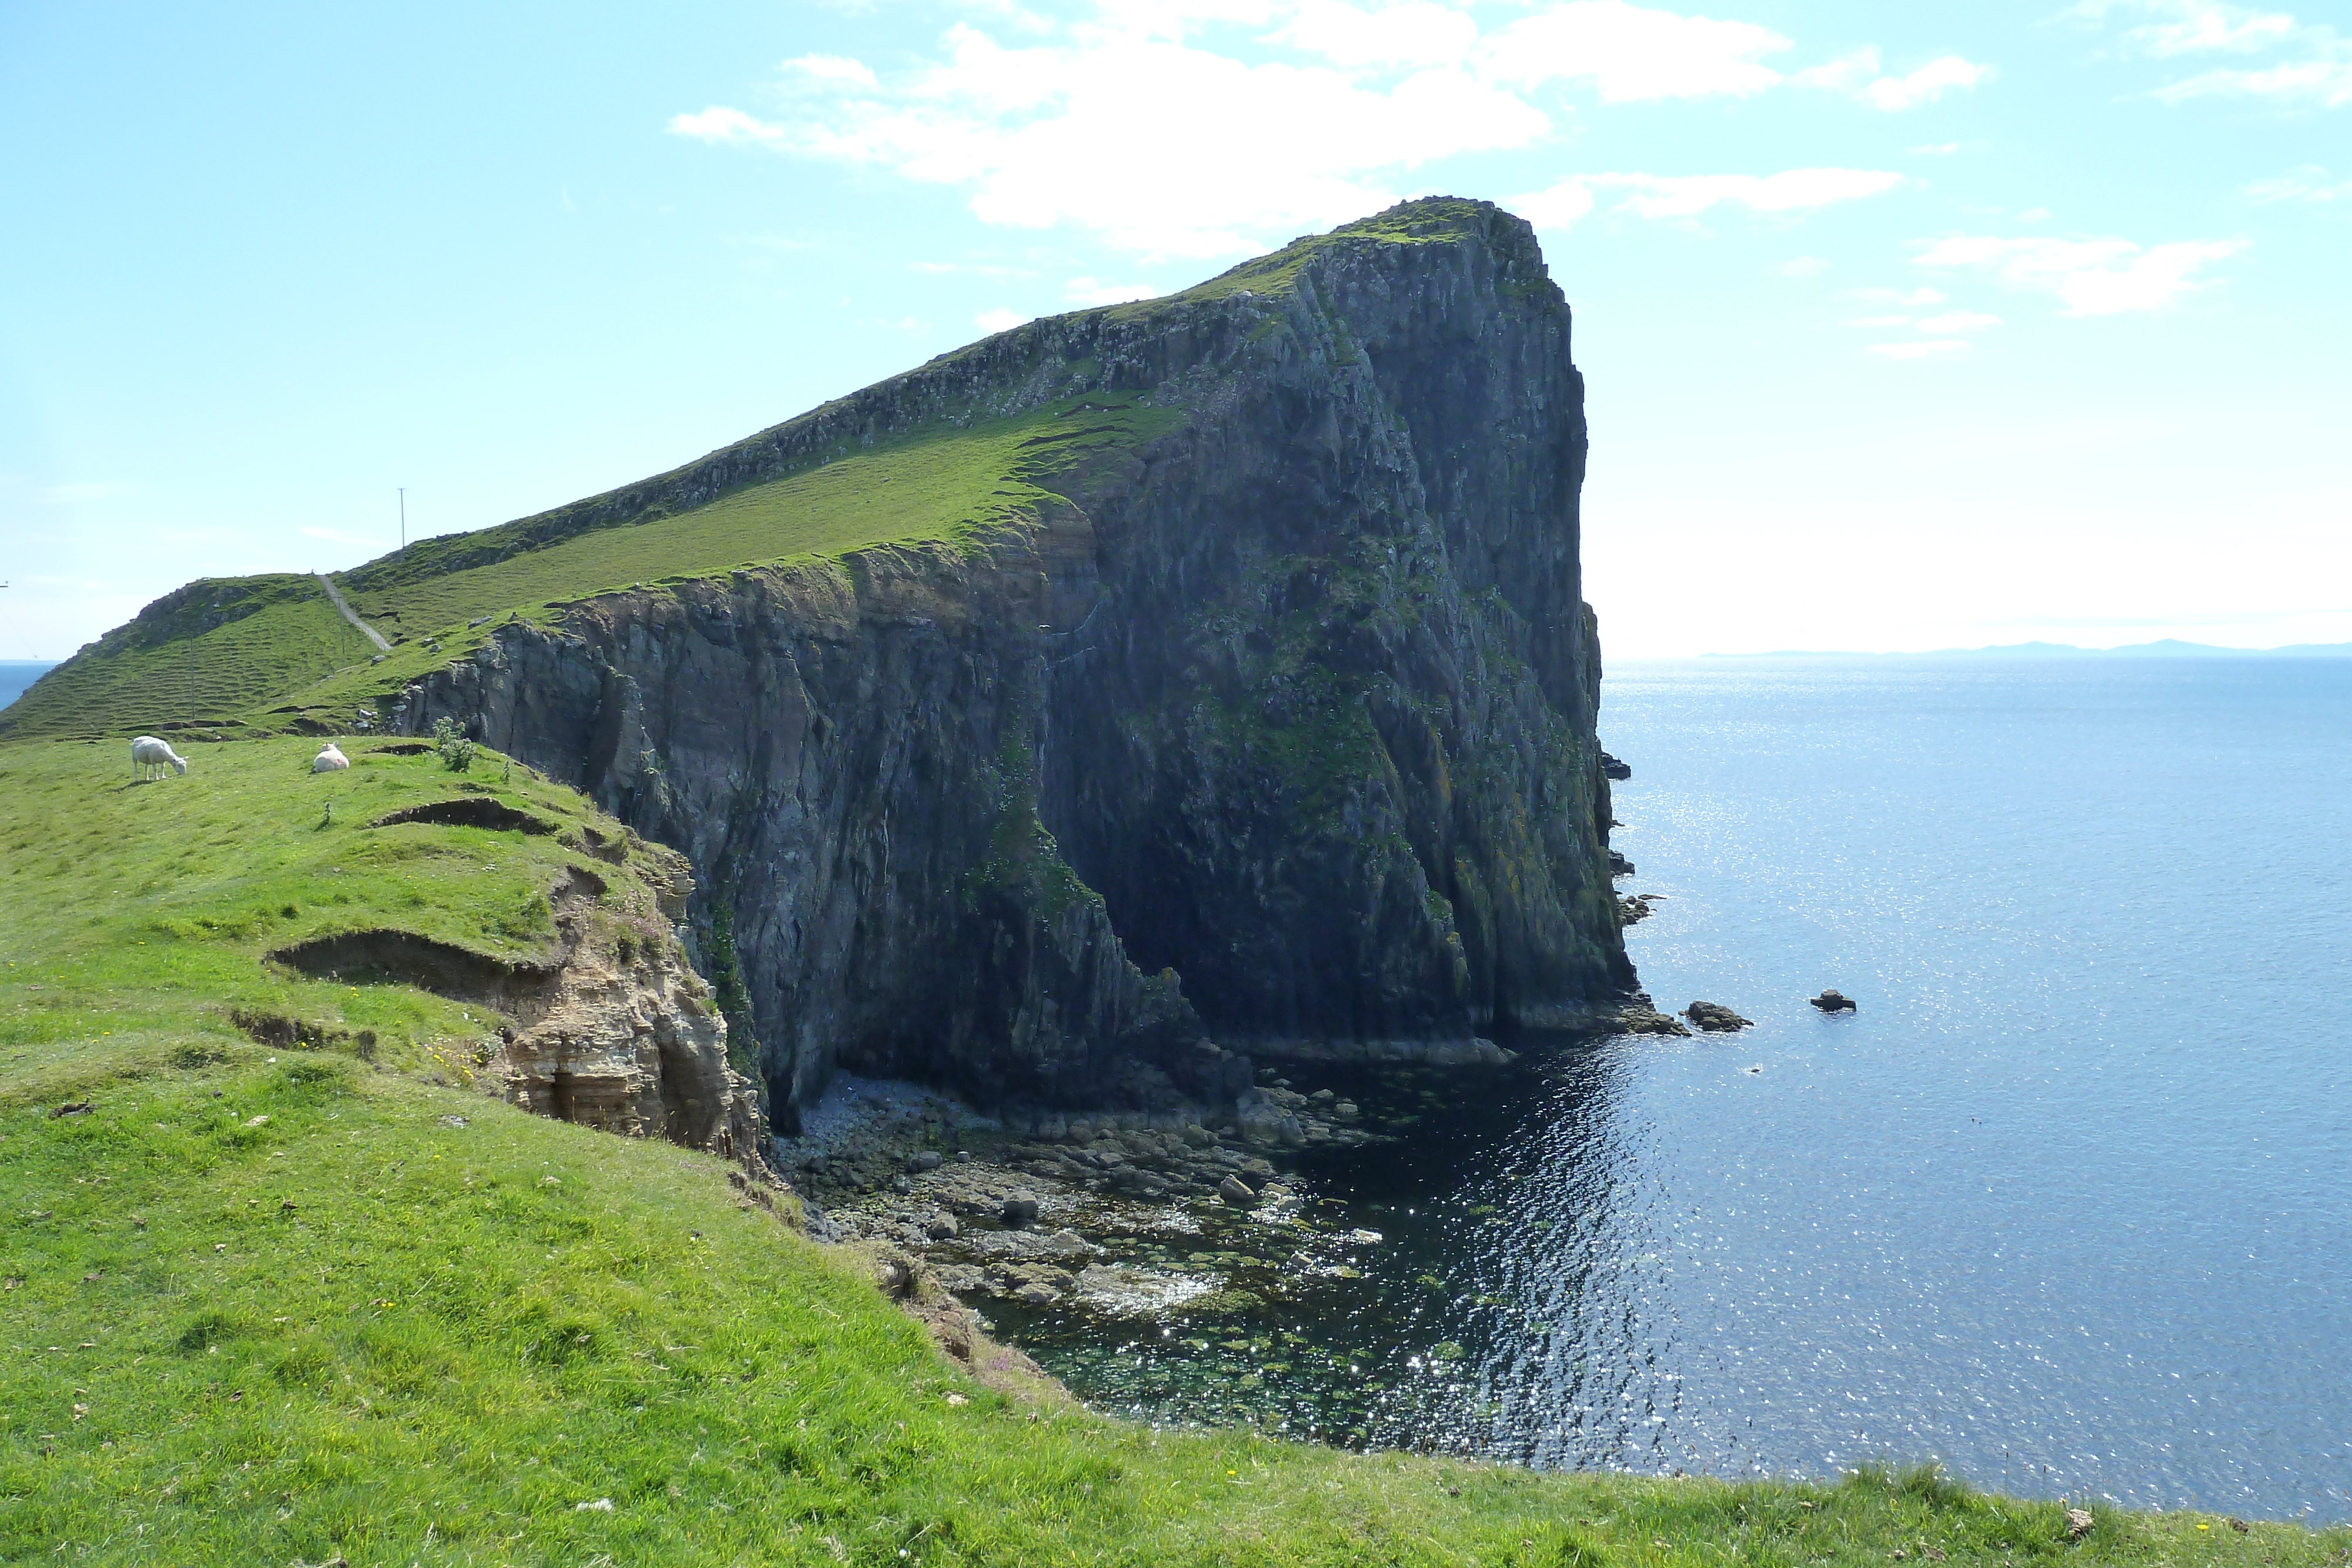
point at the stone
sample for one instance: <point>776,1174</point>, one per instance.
<point>1322,1097</point>
<point>1716,1019</point>
<point>942,1226</point>
<point>1834,1002</point>
<point>1612,768</point>
<point>1037,1295</point>
<point>1639,1017</point>
<point>929,1160</point>
<point>1020,1209</point>
<point>1347,1110</point>
<point>2078,1520</point>
<point>1232,1189</point>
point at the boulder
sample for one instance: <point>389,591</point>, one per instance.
<point>1234,1190</point>
<point>1020,1209</point>
<point>1716,1019</point>
<point>1834,1002</point>
<point>1612,768</point>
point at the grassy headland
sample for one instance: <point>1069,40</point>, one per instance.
<point>272,1304</point>
<point>266,653</point>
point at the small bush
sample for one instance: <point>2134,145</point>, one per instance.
<point>457,751</point>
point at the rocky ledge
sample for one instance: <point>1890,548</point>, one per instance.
<point>1106,1217</point>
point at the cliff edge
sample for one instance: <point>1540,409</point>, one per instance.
<point>1266,718</point>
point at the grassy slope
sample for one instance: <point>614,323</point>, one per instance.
<point>169,677</point>
<point>944,484</point>
<point>266,1307</point>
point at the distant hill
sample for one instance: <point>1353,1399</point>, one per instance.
<point>2164,648</point>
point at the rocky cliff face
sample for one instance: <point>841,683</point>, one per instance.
<point>1270,730</point>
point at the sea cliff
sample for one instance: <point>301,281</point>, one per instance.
<point>1265,725</point>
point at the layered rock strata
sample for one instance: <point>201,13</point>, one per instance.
<point>1269,730</point>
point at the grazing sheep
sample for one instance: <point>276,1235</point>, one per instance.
<point>329,760</point>
<point>150,756</point>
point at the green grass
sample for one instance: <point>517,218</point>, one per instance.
<point>956,485</point>
<point>274,1306</point>
<point>174,671</point>
<point>134,917</point>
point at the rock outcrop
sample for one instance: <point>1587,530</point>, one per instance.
<point>1267,730</point>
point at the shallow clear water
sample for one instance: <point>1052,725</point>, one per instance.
<point>2067,1205</point>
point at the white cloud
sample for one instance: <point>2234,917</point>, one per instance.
<point>1086,291</point>
<point>1897,296</point>
<point>1556,209</point>
<point>2093,278</point>
<point>1413,34</point>
<point>1137,121</point>
<point>1691,196</point>
<point>1803,267</point>
<point>1926,85</point>
<point>1631,54</point>
<point>2325,80</point>
<point>1167,150</point>
<point>1858,75</point>
<point>1880,322</point>
<point>2318,71</point>
<point>2194,27</point>
<point>730,127</point>
<point>2307,185</point>
<point>1926,348</point>
<point>1936,150</point>
<point>993,322</point>
<point>1956,322</point>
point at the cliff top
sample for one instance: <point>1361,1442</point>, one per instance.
<point>941,454</point>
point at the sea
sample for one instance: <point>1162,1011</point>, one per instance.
<point>2065,1206</point>
<point>15,674</point>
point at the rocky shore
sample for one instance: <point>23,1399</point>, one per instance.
<point>1113,1216</point>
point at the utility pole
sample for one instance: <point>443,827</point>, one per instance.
<point>404,517</point>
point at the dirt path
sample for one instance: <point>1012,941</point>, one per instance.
<point>366,630</point>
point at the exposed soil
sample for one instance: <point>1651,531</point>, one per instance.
<point>466,811</point>
<point>406,958</point>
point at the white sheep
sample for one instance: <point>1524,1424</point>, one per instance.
<point>150,756</point>
<point>329,760</point>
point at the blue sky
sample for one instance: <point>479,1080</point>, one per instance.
<point>1903,326</point>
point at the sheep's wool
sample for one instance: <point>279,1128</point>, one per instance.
<point>329,760</point>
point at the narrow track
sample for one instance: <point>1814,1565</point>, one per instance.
<point>366,630</point>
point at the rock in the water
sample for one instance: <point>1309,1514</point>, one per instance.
<point>1346,1110</point>
<point>1715,1018</point>
<point>1234,1190</point>
<point>1641,1016</point>
<point>1834,1002</point>
<point>1634,910</point>
<point>1039,1295</point>
<point>1020,1209</point>
<point>1612,768</point>
<point>1619,866</point>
